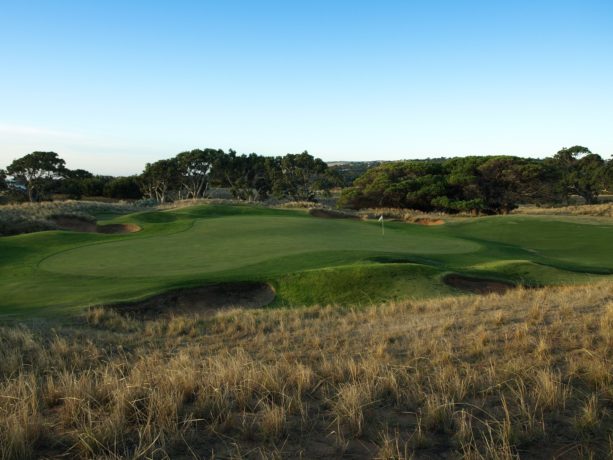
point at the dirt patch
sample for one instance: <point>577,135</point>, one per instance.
<point>330,214</point>
<point>427,221</point>
<point>118,228</point>
<point>204,299</point>
<point>77,224</point>
<point>477,285</point>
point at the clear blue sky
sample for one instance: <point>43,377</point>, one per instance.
<point>110,85</point>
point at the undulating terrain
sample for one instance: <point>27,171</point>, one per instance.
<point>472,338</point>
<point>307,260</point>
<point>528,373</point>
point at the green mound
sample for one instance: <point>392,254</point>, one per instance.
<point>361,284</point>
<point>533,274</point>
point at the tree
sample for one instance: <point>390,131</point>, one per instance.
<point>72,183</point>
<point>123,188</point>
<point>159,178</point>
<point>195,169</point>
<point>3,184</point>
<point>581,173</point>
<point>588,178</point>
<point>36,168</point>
<point>505,182</point>
<point>402,184</point>
<point>346,172</point>
<point>464,192</point>
<point>78,174</point>
<point>301,175</point>
<point>470,184</point>
<point>95,186</point>
<point>608,176</point>
<point>248,176</point>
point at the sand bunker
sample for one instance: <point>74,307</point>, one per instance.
<point>477,285</point>
<point>118,228</point>
<point>330,214</point>
<point>204,299</point>
<point>427,221</point>
<point>76,224</point>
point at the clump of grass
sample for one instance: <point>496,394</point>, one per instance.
<point>589,416</point>
<point>109,318</point>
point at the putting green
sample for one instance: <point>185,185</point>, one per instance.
<point>308,260</point>
<point>212,245</point>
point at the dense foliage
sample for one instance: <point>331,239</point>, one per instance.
<point>35,171</point>
<point>485,184</point>
<point>3,184</point>
<point>189,174</point>
<point>249,177</point>
<point>494,184</point>
<point>348,171</point>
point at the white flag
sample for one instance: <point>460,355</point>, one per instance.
<point>381,219</point>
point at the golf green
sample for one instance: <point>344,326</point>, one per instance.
<point>308,260</point>
<point>213,245</point>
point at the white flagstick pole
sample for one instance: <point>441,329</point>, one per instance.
<point>382,226</point>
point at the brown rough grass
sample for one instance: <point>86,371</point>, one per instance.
<point>528,374</point>
<point>34,217</point>
<point>598,210</point>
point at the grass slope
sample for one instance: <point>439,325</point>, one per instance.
<point>308,260</point>
<point>528,374</point>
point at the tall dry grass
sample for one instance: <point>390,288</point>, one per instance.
<point>527,374</point>
<point>597,210</point>
<point>34,217</point>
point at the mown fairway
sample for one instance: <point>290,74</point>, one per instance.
<point>308,260</point>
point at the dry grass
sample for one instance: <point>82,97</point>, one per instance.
<point>34,217</point>
<point>600,210</point>
<point>526,374</point>
<point>406,215</point>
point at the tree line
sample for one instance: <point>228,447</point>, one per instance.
<point>475,184</point>
<point>485,184</point>
<point>189,174</point>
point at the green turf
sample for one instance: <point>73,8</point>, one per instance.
<point>361,284</point>
<point>308,260</point>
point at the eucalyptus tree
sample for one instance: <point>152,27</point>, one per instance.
<point>195,170</point>
<point>581,172</point>
<point>160,178</point>
<point>301,176</point>
<point>248,176</point>
<point>35,169</point>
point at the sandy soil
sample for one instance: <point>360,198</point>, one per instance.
<point>204,299</point>
<point>476,285</point>
<point>427,221</point>
<point>81,225</point>
<point>330,214</point>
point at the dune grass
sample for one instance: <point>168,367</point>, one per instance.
<point>34,217</point>
<point>602,209</point>
<point>310,260</point>
<point>524,375</point>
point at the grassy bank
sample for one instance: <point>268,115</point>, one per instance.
<point>527,374</point>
